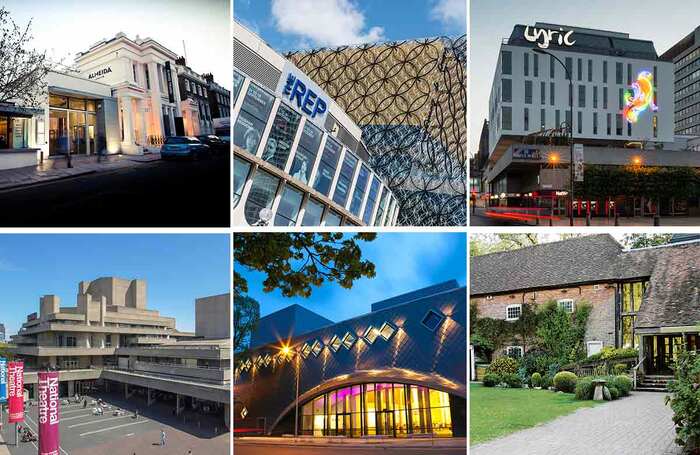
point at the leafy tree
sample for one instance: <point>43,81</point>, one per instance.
<point>494,243</point>
<point>294,262</point>
<point>646,240</point>
<point>5,351</point>
<point>685,401</point>
<point>526,325</point>
<point>246,314</point>
<point>561,334</point>
<point>22,69</point>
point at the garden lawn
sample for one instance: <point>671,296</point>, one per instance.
<point>496,412</point>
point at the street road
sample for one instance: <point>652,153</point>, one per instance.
<point>154,194</point>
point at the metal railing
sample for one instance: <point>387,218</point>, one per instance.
<point>634,372</point>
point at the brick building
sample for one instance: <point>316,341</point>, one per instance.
<point>646,298</point>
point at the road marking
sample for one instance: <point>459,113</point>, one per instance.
<point>75,410</point>
<point>76,417</point>
<point>130,434</point>
<point>96,421</point>
<point>113,428</point>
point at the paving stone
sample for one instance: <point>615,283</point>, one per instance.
<point>636,425</point>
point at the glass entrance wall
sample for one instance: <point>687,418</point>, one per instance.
<point>14,132</point>
<point>387,409</point>
<point>72,123</point>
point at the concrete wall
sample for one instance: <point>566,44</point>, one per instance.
<point>213,316</point>
<point>12,160</point>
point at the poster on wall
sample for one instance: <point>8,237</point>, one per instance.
<point>15,391</point>
<point>49,436</point>
<point>3,380</point>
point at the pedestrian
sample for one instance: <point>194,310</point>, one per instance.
<point>162,438</point>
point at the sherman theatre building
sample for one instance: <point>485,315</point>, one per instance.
<point>528,146</point>
<point>398,371</point>
<point>645,298</point>
<point>111,341</point>
<point>299,160</point>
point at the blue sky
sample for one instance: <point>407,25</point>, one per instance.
<point>403,261</point>
<point>663,22</point>
<point>294,24</point>
<point>177,268</point>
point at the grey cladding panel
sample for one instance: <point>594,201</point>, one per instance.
<point>255,66</point>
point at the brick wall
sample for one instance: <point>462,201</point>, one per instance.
<point>601,322</point>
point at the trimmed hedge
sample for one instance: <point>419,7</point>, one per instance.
<point>584,389</point>
<point>503,365</point>
<point>536,380</point>
<point>610,353</point>
<point>512,380</point>
<point>491,380</point>
<point>565,381</point>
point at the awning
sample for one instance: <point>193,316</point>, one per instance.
<point>17,111</point>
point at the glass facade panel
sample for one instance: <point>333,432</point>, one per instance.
<point>305,156</point>
<point>288,210</point>
<point>332,218</point>
<point>359,193</point>
<point>378,409</point>
<point>347,171</point>
<point>240,173</point>
<point>371,200</point>
<point>262,195</point>
<point>312,213</point>
<point>252,118</point>
<point>279,142</point>
<point>58,132</point>
<point>380,210</point>
<point>327,166</point>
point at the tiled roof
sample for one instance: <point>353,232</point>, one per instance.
<point>577,260</point>
<point>673,296</point>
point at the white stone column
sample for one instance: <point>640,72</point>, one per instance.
<point>127,121</point>
<point>155,97</point>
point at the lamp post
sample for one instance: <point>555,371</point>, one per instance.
<point>571,131</point>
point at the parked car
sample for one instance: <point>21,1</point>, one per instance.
<point>183,147</point>
<point>216,144</point>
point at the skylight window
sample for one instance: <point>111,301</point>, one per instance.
<point>348,340</point>
<point>316,348</point>
<point>432,320</point>
<point>335,343</point>
<point>371,334</point>
<point>305,350</point>
<point>387,331</point>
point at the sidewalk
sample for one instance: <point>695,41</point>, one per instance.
<point>352,442</point>
<point>57,169</point>
<point>526,217</point>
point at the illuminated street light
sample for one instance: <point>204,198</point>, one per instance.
<point>637,160</point>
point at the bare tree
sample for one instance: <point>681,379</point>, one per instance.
<point>22,68</point>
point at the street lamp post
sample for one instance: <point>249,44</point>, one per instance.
<point>571,131</point>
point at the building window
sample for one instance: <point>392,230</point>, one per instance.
<point>327,166</point>
<point>382,206</point>
<point>187,85</point>
<point>515,352</point>
<point>605,97</point>
<point>551,67</point>
<point>566,304</point>
<point>605,71</point>
<point>528,92</point>
<point>581,96</point>
<point>348,340</point>
<point>148,78</point>
<point>305,350</point>
<point>551,93</point>
<point>506,118</point>
<point>262,195</point>
<point>568,63</point>
<point>618,124</point>
<point>629,74</point>
<point>249,127</point>
<point>513,312</point>
<point>618,73</point>
<point>609,124</point>
<point>655,125</point>
<point>579,122</point>
<point>378,409</point>
<point>289,206</point>
<point>595,97</point>
<point>506,62</point>
<point>347,171</point>
<point>360,187</point>
<point>536,65</point>
<point>542,119</point>
<point>506,90</point>
<point>432,320</point>
<point>595,123</point>
<point>241,168</point>
<point>371,334</point>
<point>136,76</point>
<point>543,92</point>
<point>557,118</point>
<point>305,156</point>
<point>386,331</point>
<point>590,70</point>
<point>631,297</point>
<point>526,63</point>
<point>371,200</point>
<point>279,142</point>
<point>579,70</point>
<point>629,129</point>
<point>526,119</point>
<point>313,212</point>
<point>316,348</point>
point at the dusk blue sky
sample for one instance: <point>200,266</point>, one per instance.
<point>177,268</point>
<point>295,24</point>
<point>404,262</point>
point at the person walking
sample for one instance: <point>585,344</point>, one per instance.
<point>162,438</point>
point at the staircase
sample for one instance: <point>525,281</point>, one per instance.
<point>654,383</point>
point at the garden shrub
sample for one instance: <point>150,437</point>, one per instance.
<point>685,400</point>
<point>536,380</point>
<point>491,380</point>
<point>619,368</point>
<point>547,381</point>
<point>624,384</point>
<point>565,381</point>
<point>610,353</point>
<point>512,380</point>
<point>584,389</point>
<point>503,365</point>
<point>614,392</point>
